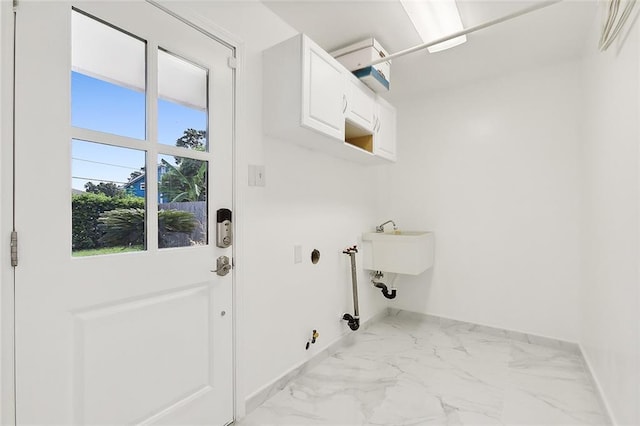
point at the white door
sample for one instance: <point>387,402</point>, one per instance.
<point>119,317</point>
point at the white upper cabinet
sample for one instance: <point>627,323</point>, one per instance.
<point>323,93</point>
<point>385,130</point>
<point>361,103</point>
<point>310,99</point>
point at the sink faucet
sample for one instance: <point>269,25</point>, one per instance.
<point>380,228</point>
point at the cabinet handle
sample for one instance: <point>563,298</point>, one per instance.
<point>344,103</point>
<point>377,126</point>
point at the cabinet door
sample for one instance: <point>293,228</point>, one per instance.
<point>385,136</point>
<point>361,104</point>
<point>323,91</point>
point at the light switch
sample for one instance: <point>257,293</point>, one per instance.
<point>256,175</point>
<point>260,177</point>
<point>297,254</point>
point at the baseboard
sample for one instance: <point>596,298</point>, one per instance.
<point>495,331</point>
<point>604,403</point>
<point>261,395</point>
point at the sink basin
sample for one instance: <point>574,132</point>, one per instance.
<point>401,252</point>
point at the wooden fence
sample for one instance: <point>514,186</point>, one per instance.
<point>199,234</point>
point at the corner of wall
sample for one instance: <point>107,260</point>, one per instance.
<point>604,403</point>
<point>610,292</point>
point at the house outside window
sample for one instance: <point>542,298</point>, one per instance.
<point>137,187</point>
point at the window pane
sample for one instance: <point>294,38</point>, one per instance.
<point>182,103</point>
<point>182,201</point>
<point>108,199</point>
<point>107,79</point>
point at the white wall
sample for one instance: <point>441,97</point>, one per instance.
<point>610,326</point>
<point>495,170</point>
<point>310,199</point>
<point>2,143</point>
<point>492,169</point>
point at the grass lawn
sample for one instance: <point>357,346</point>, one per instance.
<point>106,250</point>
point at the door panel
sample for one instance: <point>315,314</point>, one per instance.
<point>132,337</point>
<point>119,334</point>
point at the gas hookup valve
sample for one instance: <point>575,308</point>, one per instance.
<point>312,340</point>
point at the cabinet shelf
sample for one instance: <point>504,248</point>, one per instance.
<point>358,137</point>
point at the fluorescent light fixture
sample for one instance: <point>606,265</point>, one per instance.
<point>434,19</point>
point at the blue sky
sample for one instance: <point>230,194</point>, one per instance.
<point>106,107</point>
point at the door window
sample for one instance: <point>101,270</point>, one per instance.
<point>107,78</point>
<point>182,201</point>
<point>108,202</point>
<point>121,129</point>
<point>182,102</point>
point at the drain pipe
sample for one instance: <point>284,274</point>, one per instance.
<point>353,320</point>
<point>382,286</point>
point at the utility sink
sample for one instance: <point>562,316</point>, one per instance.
<point>401,252</point>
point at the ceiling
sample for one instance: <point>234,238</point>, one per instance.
<point>542,37</point>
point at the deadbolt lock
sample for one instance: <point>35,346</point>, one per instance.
<point>224,234</point>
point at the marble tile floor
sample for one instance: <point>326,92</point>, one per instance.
<point>409,370</point>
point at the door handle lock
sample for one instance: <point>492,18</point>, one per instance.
<point>223,266</point>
